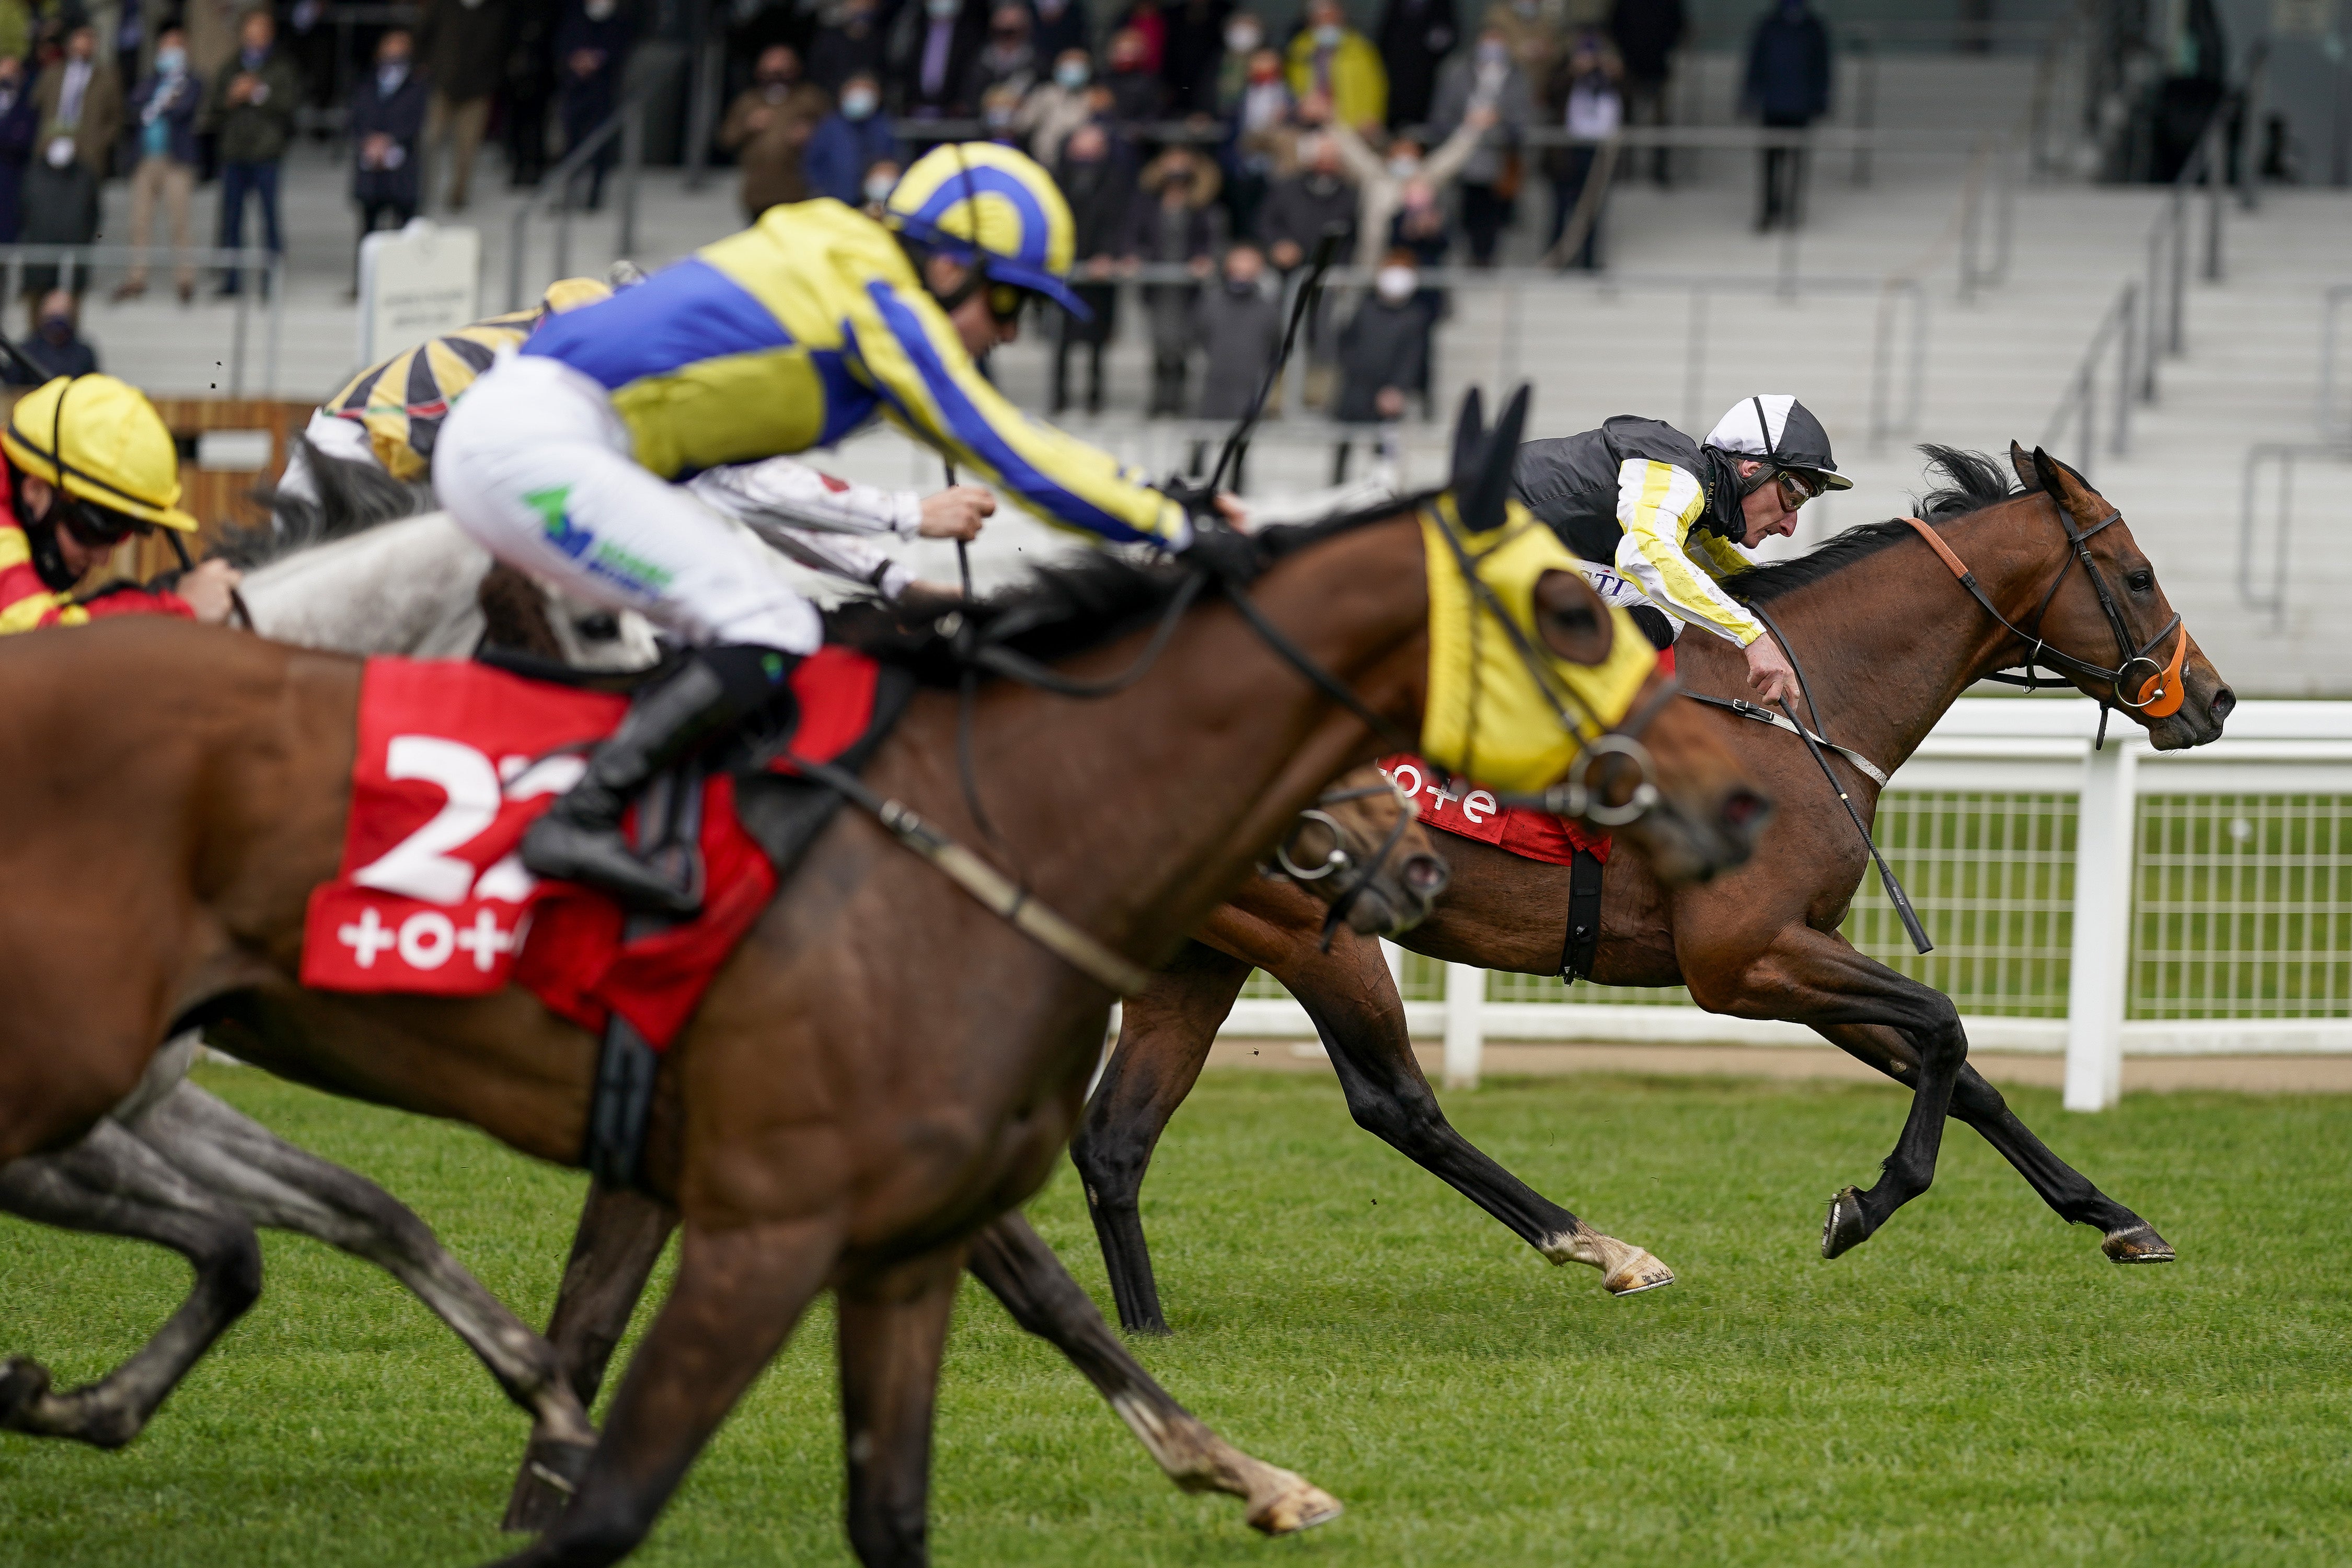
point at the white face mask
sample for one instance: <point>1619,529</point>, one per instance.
<point>1403,168</point>
<point>879,187</point>
<point>1072,74</point>
<point>1243,40</point>
<point>599,9</point>
<point>1326,37</point>
<point>857,102</point>
<point>1396,284</point>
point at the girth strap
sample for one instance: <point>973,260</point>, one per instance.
<point>1782,722</point>
<point>1582,940</point>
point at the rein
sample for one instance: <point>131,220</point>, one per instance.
<point>1338,859</point>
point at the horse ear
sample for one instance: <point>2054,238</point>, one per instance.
<point>1469,441</point>
<point>2063,484</point>
<point>1484,505</point>
<point>2020,460</point>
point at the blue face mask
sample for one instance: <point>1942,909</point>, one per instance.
<point>857,104</point>
<point>1072,74</point>
<point>171,62</point>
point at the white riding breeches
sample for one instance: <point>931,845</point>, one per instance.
<point>1617,590</point>
<point>534,463</point>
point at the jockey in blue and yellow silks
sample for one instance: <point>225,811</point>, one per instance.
<point>788,336</point>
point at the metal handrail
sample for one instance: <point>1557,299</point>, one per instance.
<point>246,262</point>
<point>628,123</point>
<point>1727,138</point>
<point>2329,300</point>
<point>2284,453</point>
<point>2080,404</point>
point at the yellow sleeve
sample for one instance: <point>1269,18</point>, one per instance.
<point>25,602</point>
<point>1657,503</point>
<point>1716,553</point>
<point>911,354</point>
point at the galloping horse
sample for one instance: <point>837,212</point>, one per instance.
<point>876,1073</point>
<point>1888,641</point>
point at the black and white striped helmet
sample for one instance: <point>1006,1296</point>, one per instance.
<point>1782,433</point>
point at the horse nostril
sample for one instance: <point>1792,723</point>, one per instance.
<point>1744,808</point>
<point>2221,704</point>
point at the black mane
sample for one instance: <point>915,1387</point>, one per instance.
<point>1974,481</point>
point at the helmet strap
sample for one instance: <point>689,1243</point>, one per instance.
<point>41,536</point>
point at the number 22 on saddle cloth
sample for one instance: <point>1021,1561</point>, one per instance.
<point>1473,812</point>
<point>455,761</point>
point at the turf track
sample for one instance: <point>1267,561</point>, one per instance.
<point>1975,1385</point>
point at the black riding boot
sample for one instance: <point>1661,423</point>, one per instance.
<point>579,839</point>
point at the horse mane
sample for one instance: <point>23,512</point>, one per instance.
<point>352,499</point>
<point>1972,483</point>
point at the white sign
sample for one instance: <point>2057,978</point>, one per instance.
<point>416,283</point>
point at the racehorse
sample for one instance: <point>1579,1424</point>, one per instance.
<point>877,1071</point>
<point>175,1165</point>
<point>1888,641</point>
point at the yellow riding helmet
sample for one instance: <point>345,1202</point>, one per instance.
<point>572,293</point>
<point>107,442</point>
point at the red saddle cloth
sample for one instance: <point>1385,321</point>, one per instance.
<point>455,761</point>
<point>1473,812</point>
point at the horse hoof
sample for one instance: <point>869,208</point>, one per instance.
<point>1845,1229</point>
<point>2141,1244</point>
<point>551,1473</point>
<point>1295,1504</point>
<point>23,1381</point>
<point>1636,1274</point>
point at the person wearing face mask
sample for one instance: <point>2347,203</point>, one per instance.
<point>793,333</point>
<point>1584,89</point>
<point>1238,324</point>
<point>1381,179</point>
<point>772,126</point>
<point>1265,135</point>
<point>1005,60</point>
<point>56,346</point>
<point>880,181</point>
<point>591,47</point>
<point>1174,223</point>
<point>1487,77</point>
<point>849,144</point>
<point>462,44</point>
<point>1332,60</point>
<point>1383,353</point>
<point>20,126</point>
<point>1097,176</point>
<point>163,116</point>
<point>1413,37</point>
<point>1137,93</point>
<point>1657,516</point>
<point>1297,210</point>
<point>386,124</point>
<point>79,103</point>
<point>931,72</point>
<point>1056,106</point>
<point>1787,88</point>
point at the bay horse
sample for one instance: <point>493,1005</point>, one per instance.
<point>877,1072</point>
<point>177,1165</point>
<point>1888,641</point>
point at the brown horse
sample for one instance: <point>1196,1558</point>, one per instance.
<point>1888,641</point>
<point>879,1070</point>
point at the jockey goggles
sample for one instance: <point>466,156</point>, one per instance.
<point>1797,485</point>
<point>97,527</point>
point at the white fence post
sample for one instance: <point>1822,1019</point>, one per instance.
<point>1465,1040</point>
<point>2105,822</point>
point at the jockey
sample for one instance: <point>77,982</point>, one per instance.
<point>121,478</point>
<point>788,336</point>
<point>1666,512</point>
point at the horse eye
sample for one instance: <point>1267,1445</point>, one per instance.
<point>2141,581</point>
<point>602,627</point>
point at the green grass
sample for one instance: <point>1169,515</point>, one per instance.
<point>1974,1386</point>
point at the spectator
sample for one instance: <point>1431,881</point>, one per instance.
<point>1005,60</point>
<point>1264,144</point>
<point>1098,183</point>
<point>848,42</point>
<point>311,46</point>
<point>251,105</point>
<point>212,28</point>
<point>930,73</point>
<point>20,125</point>
<point>770,129</point>
<point>1061,27</point>
<point>592,45</point>
<point>386,123</point>
<point>1146,19</point>
<point>1057,106</point>
<point>1486,78</point>
<point>880,181</point>
<point>128,40</point>
<point>849,144</point>
<point>464,47</point>
<point>1383,353</point>
<point>1330,59</point>
<point>1135,92</point>
<point>1788,88</point>
<point>1299,209</point>
<point>1177,223</point>
<point>165,130</point>
<point>79,106</point>
<point>1380,181</point>
<point>1238,326</point>
<point>1585,88</point>
<point>1414,36</point>
<point>1244,36</point>
<point>1535,30</point>
<point>1195,48</point>
<point>529,90</point>
<point>55,344</point>
<point>1647,32</point>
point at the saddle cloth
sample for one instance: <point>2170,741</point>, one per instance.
<point>455,761</point>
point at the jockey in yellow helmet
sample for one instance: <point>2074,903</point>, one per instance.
<point>88,465</point>
<point>788,336</point>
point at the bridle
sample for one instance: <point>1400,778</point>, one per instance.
<point>2158,697</point>
<point>1360,874</point>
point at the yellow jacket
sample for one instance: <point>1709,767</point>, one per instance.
<point>1360,82</point>
<point>1657,504</point>
<point>799,330</point>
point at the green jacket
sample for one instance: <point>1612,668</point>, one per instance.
<point>257,130</point>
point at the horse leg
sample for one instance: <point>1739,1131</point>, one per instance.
<point>893,1332</point>
<point>288,1188</point>
<point>1819,979</point>
<point>112,1184</point>
<point>738,1295</point>
<point>2075,1199</point>
<point>1013,1261</point>
<point>1361,1021</point>
<point>1164,1038</point>
<point>619,1239</point>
